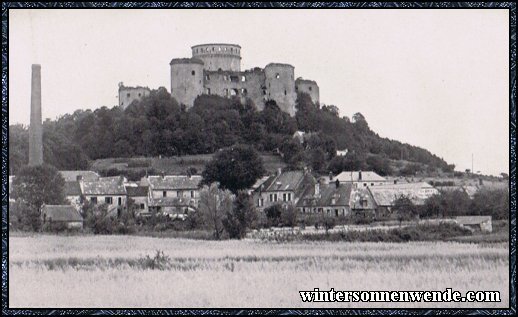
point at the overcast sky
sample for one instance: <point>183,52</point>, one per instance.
<point>438,79</point>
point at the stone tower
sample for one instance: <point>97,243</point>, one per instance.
<point>186,79</point>
<point>35,129</point>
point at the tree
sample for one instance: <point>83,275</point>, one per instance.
<point>273,214</point>
<point>38,185</point>
<point>214,204</point>
<point>240,217</point>
<point>404,208</point>
<point>235,168</point>
<point>289,216</point>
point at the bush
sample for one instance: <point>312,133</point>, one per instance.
<point>273,214</point>
<point>240,217</point>
<point>159,262</point>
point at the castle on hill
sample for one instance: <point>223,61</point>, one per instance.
<point>215,69</point>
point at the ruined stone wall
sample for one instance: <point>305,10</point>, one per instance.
<point>280,84</point>
<point>224,57</point>
<point>248,84</point>
<point>310,87</point>
<point>186,80</point>
<point>129,94</point>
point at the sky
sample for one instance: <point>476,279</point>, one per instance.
<point>438,79</point>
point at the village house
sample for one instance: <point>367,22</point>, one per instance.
<point>65,215</point>
<point>329,198</point>
<point>110,191</point>
<point>173,194</point>
<point>138,195</point>
<point>384,196</point>
<point>361,178</point>
<point>73,193</point>
<point>361,201</point>
<point>283,188</point>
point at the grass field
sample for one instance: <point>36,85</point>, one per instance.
<point>177,165</point>
<point>111,271</point>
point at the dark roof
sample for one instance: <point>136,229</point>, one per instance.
<point>286,181</point>
<point>72,189</point>
<point>174,182</point>
<point>328,192</point>
<point>140,191</point>
<point>65,213</point>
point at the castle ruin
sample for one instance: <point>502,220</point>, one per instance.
<point>215,69</point>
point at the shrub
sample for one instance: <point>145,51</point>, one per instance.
<point>159,262</point>
<point>273,214</point>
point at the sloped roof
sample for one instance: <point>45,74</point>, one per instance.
<point>328,192</point>
<point>354,176</point>
<point>472,220</point>
<point>260,181</point>
<point>64,213</point>
<point>139,191</point>
<point>174,182</point>
<point>385,195</point>
<point>286,181</point>
<point>72,189</point>
<point>71,176</point>
<point>357,195</point>
<point>104,187</point>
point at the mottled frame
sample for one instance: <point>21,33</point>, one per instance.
<point>218,5</point>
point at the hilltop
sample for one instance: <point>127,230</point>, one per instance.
<point>157,126</point>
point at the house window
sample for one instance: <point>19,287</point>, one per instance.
<point>207,77</point>
<point>284,198</point>
<point>192,193</point>
<point>108,200</point>
<point>260,202</point>
<point>119,201</point>
<point>93,200</point>
<point>193,73</point>
<point>285,93</point>
<point>275,197</point>
<point>243,78</point>
<point>139,94</point>
<point>164,194</point>
<point>309,88</point>
<point>128,95</point>
<point>142,206</point>
<point>178,193</point>
<point>289,196</point>
<point>271,197</point>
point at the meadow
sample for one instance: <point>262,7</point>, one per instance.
<point>115,271</point>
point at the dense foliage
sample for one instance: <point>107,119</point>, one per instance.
<point>158,125</point>
<point>235,168</point>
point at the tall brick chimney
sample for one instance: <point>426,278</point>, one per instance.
<point>35,129</point>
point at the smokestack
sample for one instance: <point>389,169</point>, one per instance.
<point>35,129</point>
